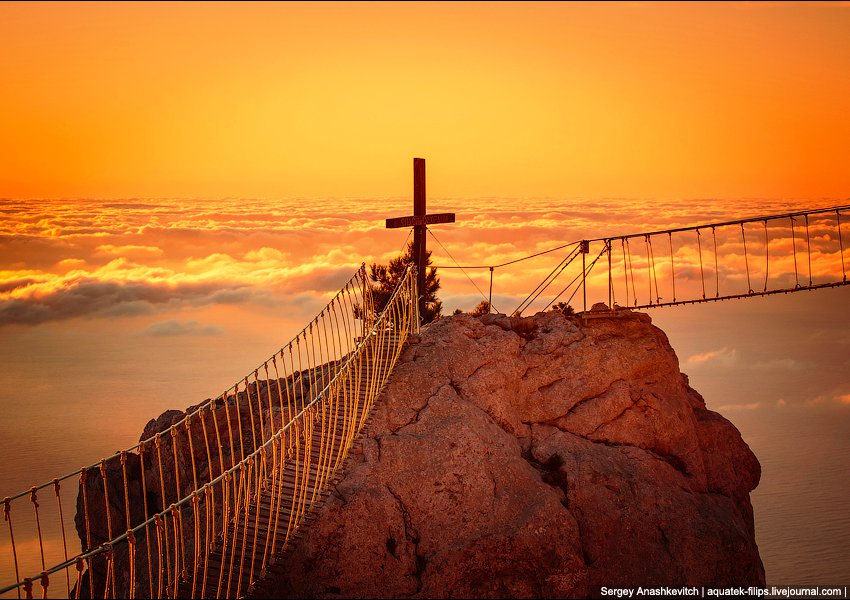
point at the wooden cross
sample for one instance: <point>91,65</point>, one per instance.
<point>418,221</point>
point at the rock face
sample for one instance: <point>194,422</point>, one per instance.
<point>535,457</point>
<point>168,468</point>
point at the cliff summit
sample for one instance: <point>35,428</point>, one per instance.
<point>534,457</point>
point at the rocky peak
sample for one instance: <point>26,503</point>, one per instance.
<point>534,457</point>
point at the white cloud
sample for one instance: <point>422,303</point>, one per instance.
<point>781,364</point>
<point>750,406</point>
<point>724,356</point>
<point>174,328</point>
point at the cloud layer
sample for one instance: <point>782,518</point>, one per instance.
<point>83,258</point>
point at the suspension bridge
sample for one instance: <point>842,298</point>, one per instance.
<point>213,499</point>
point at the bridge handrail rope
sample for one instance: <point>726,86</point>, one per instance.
<point>651,265</point>
<point>550,278</point>
<point>457,266</point>
<point>358,276</point>
<point>340,390</point>
<point>745,220</point>
<point>654,300</point>
<point>583,274</point>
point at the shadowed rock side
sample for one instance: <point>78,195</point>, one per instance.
<point>535,457</point>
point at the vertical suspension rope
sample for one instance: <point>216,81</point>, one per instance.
<point>179,543</point>
<point>672,268</point>
<point>841,245</point>
<point>238,406</point>
<point>188,426</point>
<point>490,295</point>
<point>631,272</point>
<point>131,561</point>
<point>648,270</point>
<point>625,268</point>
<point>211,410</point>
<point>314,384</point>
<point>7,516</point>
<point>279,390</point>
<point>701,271</point>
<point>79,566</point>
<point>64,538</point>
<point>300,371</point>
<point>237,508</point>
<point>610,277</point>
<point>274,509</point>
<point>766,255</point>
<point>225,400</point>
<point>746,260</point>
<point>250,404</point>
<point>158,443</point>
<point>123,460</point>
<point>34,500</point>
<point>341,389</point>
<point>178,546</point>
<point>158,531</point>
<point>809,249</point>
<point>83,480</point>
<point>290,387</point>
<point>220,447</point>
<point>296,472</point>
<point>44,582</point>
<point>197,549</point>
<point>210,523</point>
<point>225,517</point>
<point>256,499</point>
<point>142,450</point>
<point>277,485</point>
<point>272,427</point>
<point>328,422</point>
<point>716,268</point>
<point>107,556</point>
<point>794,247</point>
<point>262,470</point>
<point>306,464</point>
<point>253,500</point>
<point>654,274</point>
<point>233,480</point>
<point>336,448</point>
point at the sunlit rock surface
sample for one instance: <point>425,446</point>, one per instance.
<point>534,457</point>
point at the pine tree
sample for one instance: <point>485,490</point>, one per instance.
<point>385,280</point>
<point>483,308</point>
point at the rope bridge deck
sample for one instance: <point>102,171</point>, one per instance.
<point>212,499</point>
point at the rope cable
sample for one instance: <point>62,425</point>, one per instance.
<point>428,229</point>
<point>841,244</point>
<point>809,249</point>
<point>746,260</point>
<point>766,255</point>
<point>716,268</point>
<point>625,269</point>
<point>631,271</point>
<point>672,266</point>
<point>794,247</point>
<point>586,271</point>
<point>549,279</point>
<point>701,271</point>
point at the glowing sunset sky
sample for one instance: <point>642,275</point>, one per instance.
<point>114,100</point>
<point>183,186</point>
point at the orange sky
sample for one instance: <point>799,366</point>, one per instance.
<point>314,100</point>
